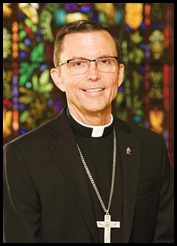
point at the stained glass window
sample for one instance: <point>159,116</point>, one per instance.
<point>145,32</point>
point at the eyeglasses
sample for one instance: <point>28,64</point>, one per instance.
<point>106,64</point>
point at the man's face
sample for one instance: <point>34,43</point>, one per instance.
<point>92,91</point>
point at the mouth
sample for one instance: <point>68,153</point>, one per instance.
<point>94,90</point>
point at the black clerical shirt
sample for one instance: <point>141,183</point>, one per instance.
<point>98,155</point>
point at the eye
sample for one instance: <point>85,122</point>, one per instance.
<point>77,63</point>
<point>106,60</point>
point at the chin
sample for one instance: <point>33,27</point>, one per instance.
<point>95,109</point>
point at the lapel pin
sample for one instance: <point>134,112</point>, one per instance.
<point>128,151</point>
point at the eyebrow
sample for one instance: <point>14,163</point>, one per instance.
<point>103,56</point>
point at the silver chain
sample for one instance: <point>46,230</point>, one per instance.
<point>113,175</point>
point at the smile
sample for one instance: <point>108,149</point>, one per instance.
<point>94,90</point>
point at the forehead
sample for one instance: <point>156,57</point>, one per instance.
<point>88,43</point>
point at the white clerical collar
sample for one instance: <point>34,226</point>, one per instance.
<point>97,131</point>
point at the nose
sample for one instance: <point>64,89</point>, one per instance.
<point>93,72</point>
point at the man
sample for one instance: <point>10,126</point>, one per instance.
<point>85,176</point>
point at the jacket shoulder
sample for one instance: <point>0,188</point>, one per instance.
<point>34,136</point>
<point>139,132</point>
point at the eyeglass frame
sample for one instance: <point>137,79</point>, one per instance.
<point>89,60</point>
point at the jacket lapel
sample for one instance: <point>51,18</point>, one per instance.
<point>130,162</point>
<point>70,165</point>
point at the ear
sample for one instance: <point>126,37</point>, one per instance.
<point>57,79</point>
<point>121,74</point>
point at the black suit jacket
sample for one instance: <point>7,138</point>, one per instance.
<point>46,195</point>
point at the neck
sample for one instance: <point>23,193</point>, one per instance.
<point>88,130</point>
<point>92,119</point>
<point>94,126</point>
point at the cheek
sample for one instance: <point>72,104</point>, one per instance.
<point>114,83</point>
<point>66,82</point>
<point>73,83</point>
<point>69,86</point>
<point>114,87</point>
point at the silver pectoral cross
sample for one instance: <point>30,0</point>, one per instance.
<point>107,224</point>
